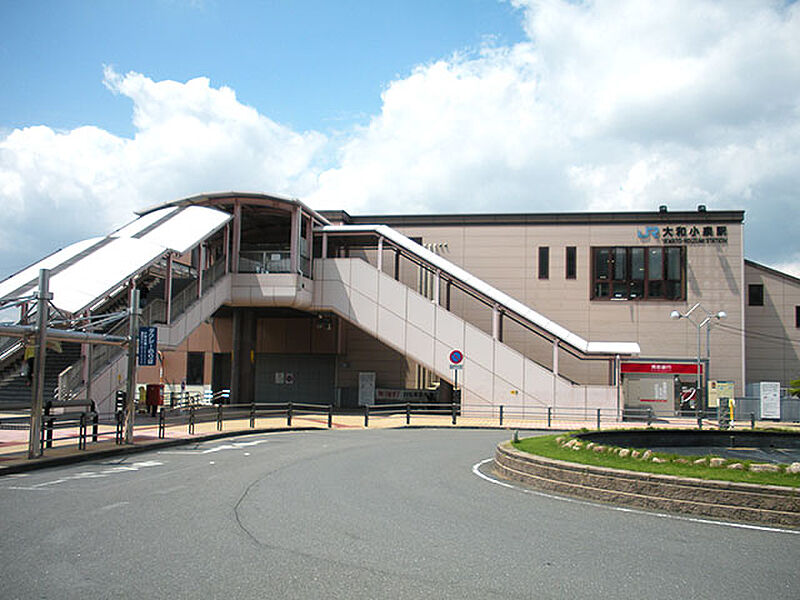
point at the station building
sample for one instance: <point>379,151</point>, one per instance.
<point>271,301</point>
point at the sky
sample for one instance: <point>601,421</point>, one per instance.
<point>398,107</point>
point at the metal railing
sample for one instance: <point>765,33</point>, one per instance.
<point>265,261</point>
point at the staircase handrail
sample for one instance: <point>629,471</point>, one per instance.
<point>435,262</point>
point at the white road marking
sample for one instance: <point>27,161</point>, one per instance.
<point>476,470</point>
<point>232,446</point>
<point>89,475</point>
<point>113,506</point>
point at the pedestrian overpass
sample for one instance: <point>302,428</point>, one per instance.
<point>193,258</point>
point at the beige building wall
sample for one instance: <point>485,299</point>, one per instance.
<point>506,256</point>
<point>773,335</point>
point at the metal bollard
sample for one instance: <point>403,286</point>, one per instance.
<point>252,415</point>
<point>191,420</point>
<point>82,432</point>
<point>289,414</point>
<point>549,416</point>
<point>649,416</point>
<point>162,424</point>
<point>408,413</point>
<point>501,415</point>
<point>219,417</point>
<point>366,415</point>
<point>118,434</point>
<point>330,416</point>
<point>598,418</point>
<point>453,410</point>
<point>699,421</point>
<point>752,420</point>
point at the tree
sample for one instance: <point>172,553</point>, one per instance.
<point>794,388</point>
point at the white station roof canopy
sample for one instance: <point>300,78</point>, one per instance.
<point>504,300</point>
<point>88,270</point>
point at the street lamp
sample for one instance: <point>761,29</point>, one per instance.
<point>708,318</point>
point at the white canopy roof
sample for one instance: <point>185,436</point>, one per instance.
<point>126,252</point>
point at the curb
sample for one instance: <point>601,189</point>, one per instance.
<point>732,501</point>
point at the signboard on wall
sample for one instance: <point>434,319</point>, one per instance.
<point>660,368</point>
<point>770,399</point>
<point>719,392</point>
<point>366,388</point>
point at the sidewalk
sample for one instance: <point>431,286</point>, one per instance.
<point>14,443</point>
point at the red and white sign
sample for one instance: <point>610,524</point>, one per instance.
<point>661,368</point>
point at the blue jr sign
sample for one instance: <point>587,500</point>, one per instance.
<point>148,346</point>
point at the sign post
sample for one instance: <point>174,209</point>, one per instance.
<point>456,364</point>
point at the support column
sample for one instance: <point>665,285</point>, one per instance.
<point>294,241</point>
<point>236,356</point>
<point>236,242</point>
<point>324,251</point>
<point>555,369</point>
<point>37,393</point>
<point>168,290</point>
<point>226,240</point>
<point>495,323</point>
<point>436,277</point>
<point>201,264</point>
<point>380,253</point>
<point>133,322</point>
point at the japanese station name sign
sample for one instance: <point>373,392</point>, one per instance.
<point>685,234</point>
<point>148,346</point>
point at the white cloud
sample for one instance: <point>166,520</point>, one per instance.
<point>58,186</point>
<point>608,105</point>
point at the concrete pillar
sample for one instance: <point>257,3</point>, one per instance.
<point>236,243</point>
<point>168,290</point>
<point>380,253</point>
<point>294,241</point>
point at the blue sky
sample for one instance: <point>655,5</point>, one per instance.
<point>308,64</point>
<point>380,107</point>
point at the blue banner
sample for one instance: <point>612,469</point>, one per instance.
<point>148,346</point>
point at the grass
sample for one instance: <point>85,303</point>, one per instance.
<point>547,447</point>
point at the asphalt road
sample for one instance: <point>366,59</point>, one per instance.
<point>355,514</point>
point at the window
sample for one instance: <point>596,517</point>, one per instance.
<point>755,294</point>
<point>639,273</point>
<point>572,261</point>
<point>544,262</point>
<point>194,368</point>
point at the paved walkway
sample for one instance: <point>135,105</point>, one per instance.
<point>14,443</point>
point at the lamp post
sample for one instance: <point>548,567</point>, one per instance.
<point>706,320</point>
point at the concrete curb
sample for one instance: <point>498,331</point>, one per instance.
<point>745,502</point>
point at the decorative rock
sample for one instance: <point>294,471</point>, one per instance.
<point>560,440</point>
<point>700,461</point>
<point>764,467</point>
<point>682,461</point>
<point>590,445</point>
<point>623,452</point>
<point>656,459</point>
<point>738,466</point>
<point>793,468</point>
<point>635,454</point>
<point>599,448</point>
<point>647,454</point>
<point>716,462</point>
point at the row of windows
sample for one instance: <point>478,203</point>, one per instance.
<point>628,273</point>
<point>755,297</point>
<point>571,262</point>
